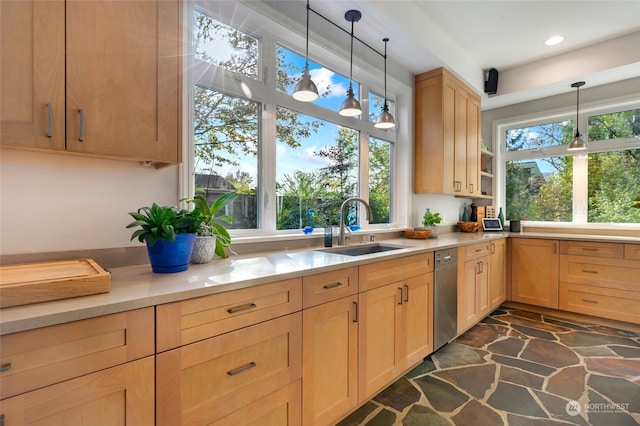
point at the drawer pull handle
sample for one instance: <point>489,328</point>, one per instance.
<point>589,271</point>
<point>478,250</point>
<point>333,285</point>
<point>400,298</point>
<point>589,301</point>
<point>406,297</point>
<point>49,120</point>
<point>241,308</point>
<point>590,248</point>
<point>5,367</point>
<point>242,369</point>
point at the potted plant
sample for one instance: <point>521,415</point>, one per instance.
<point>211,236</point>
<point>169,234</point>
<point>430,220</point>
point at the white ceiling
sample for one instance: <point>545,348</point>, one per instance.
<point>601,40</point>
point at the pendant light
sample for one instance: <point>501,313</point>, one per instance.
<point>385,120</point>
<point>577,143</point>
<point>306,90</point>
<point>351,107</point>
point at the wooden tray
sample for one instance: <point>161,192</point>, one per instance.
<point>28,283</point>
<point>418,234</point>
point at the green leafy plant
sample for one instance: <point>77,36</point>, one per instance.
<point>209,223</point>
<point>162,223</point>
<point>430,219</point>
<point>636,205</point>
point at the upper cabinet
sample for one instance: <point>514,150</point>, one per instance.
<point>447,136</point>
<point>122,66</point>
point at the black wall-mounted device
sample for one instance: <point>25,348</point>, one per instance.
<point>491,82</point>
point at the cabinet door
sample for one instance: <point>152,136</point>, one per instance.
<point>482,287</point>
<point>473,292</point>
<point>497,269</point>
<point>205,381</point>
<point>121,395</point>
<point>460,143</point>
<point>416,323</point>
<point>534,272</point>
<point>123,79</point>
<point>32,77</point>
<point>379,343</point>
<point>329,361</point>
<point>473,146</point>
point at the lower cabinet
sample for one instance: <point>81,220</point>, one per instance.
<point>396,331</point>
<point>329,360</point>
<point>534,271</point>
<point>473,284</point>
<point>201,383</point>
<point>121,395</point>
<point>497,273</point>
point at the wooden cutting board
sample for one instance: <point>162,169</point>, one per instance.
<point>28,283</point>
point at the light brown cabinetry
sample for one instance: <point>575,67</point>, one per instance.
<point>534,271</point>
<point>120,75</point>
<point>329,360</point>
<point>203,382</point>
<point>473,284</point>
<point>32,86</point>
<point>447,135</point>
<point>222,357</point>
<point>95,371</point>
<point>596,279</point>
<point>395,322</point>
<point>497,273</point>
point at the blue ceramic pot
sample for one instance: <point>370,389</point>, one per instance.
<point>171,256</point>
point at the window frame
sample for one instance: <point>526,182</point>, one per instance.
<point>270,34</point>
<point>580,163</point>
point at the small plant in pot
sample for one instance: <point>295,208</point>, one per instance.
<point>212,237</point>
<point>430,220</point>
<point>169,234</point>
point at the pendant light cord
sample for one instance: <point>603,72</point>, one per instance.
<point>351,61</point>
<point>577,111</point>
<point>307,51</point>
<point>385,71</point>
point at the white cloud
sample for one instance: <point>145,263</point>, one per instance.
<point>309,155</point>
<point>323,78</point>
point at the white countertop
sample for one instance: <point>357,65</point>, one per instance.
<point>136,287</point>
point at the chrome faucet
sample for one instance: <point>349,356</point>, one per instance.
<point>341,238</point>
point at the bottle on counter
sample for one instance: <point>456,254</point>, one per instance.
<point>474,213</point>
<point>328,234</point>
<point>501,217</point>
<point>465,213</point>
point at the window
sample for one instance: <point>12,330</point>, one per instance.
<point>376,102</point>
<point>544,182</point>
<point>292,163</point>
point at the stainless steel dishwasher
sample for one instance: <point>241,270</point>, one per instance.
<point>445,297</point>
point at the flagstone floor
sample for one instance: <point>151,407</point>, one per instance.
<point>518,368</point>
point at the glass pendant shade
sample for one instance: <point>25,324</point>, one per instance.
<point>385,120</point>
<point>577,143</point>
<point>306,90</point>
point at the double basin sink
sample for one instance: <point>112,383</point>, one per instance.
<point>363,249</point>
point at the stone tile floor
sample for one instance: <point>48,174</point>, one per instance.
<point>518,368</point>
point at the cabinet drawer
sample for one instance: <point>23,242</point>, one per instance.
<point>328,286</point>
<point>191,320</point>
<point>44,356</point>
<point>389,271</point>
<point>477,250</point>
<point>593,249</point>
<point>281,408</point>
<point>120,395</point>
<point>608,273</point>
<point>205,381</point>
<point>632,251</point>
<point>606,303</point>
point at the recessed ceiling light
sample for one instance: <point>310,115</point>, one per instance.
<point>552,41</point>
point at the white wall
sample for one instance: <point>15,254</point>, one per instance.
<point>52,202</point>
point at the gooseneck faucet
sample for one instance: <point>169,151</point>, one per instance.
<point>341,238</point>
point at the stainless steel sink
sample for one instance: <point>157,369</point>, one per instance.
<point>362,249</point>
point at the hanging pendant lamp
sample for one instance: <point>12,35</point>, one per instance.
<point>385,120</point>
<point>306,90</point>
<point>577,143</point>
<point>351,107</point>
